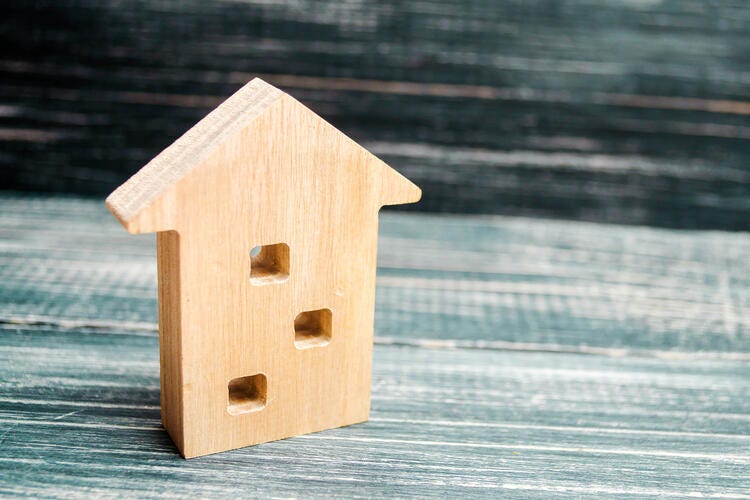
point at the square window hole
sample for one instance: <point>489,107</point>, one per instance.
<point>269,264</point>
<point>247,394</point>
<point>312,328</point>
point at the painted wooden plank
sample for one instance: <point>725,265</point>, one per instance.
<point>533,358</point>
<point>624,86</point>
<point>79,416</point>
<point>500,283</point>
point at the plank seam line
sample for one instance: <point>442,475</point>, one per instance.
<point>498,446</point>
<point>446,423</point>
<point>136,327</point>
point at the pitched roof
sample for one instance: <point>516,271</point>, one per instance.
<point>191,149</point>
<point>134,196</point>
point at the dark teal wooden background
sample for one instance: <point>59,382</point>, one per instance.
<point>628,111</point>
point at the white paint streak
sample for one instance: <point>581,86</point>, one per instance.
<point>594,489</point>
<point>76,404</point>
<point>571,429</point>
<point>79,425</point>
<point>552,449</point>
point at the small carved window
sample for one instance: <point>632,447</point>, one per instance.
<point>313,328</point>
<point>269,264</point>
<point>247,394</point>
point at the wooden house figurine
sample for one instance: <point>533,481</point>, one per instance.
<point>261,345</point>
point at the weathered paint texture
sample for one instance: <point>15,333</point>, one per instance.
<point>513,357</point>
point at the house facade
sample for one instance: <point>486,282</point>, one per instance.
<point>267,247</point>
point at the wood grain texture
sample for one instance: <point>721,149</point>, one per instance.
<point>623,111</point>
<point>630,388</point>
<point>259,348</point>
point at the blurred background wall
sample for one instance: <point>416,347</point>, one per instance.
<point>626,111</point>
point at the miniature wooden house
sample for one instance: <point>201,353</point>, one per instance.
<point>265,344</point>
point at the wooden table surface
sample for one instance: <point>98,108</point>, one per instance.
<point>514,357</point>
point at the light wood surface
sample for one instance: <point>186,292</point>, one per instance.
<point>513,358</point>
<point>258,348</point>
